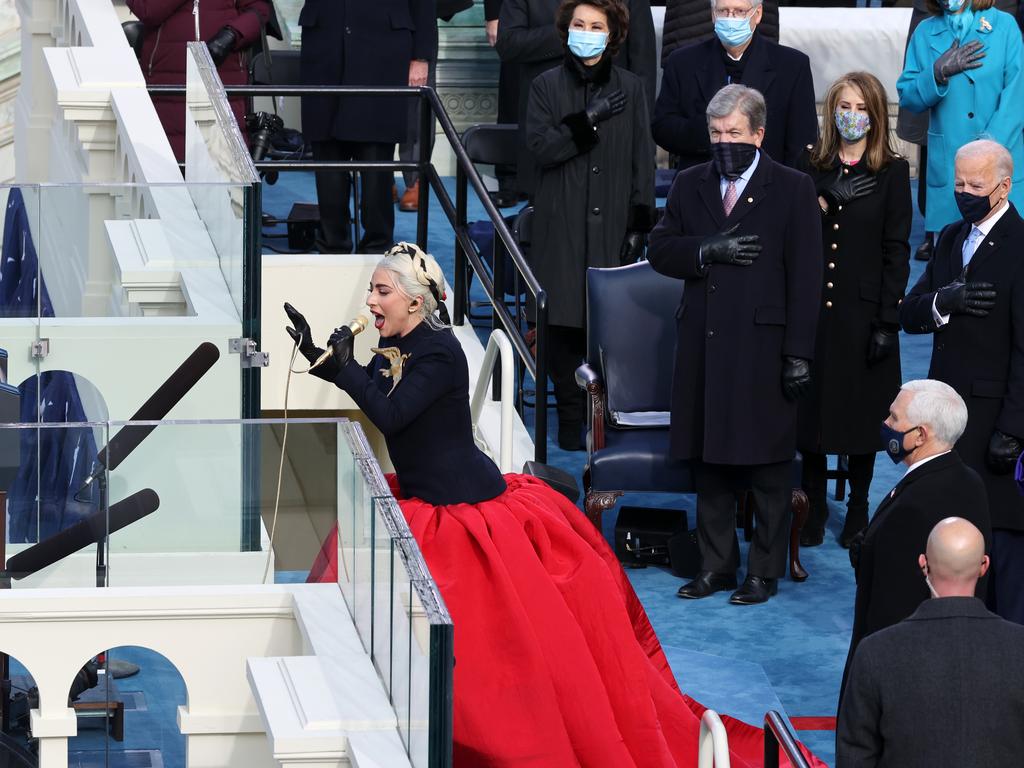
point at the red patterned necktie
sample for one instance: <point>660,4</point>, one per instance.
<point>731,195</point>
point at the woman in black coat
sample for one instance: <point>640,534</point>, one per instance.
<point>588,131</point>
<point>864,195</point>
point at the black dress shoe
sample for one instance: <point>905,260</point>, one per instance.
<point>707,583</point>
<point>504,198</point>
<point>924,250</point>
<point>848,535</point>
<point>754,590</point>
<point>811,536</point>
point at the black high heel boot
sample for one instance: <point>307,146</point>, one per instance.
<point>861,469</point>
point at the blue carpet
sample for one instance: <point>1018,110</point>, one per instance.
<point>787,654</point>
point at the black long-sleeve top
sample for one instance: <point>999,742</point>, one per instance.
<point>426,420</point>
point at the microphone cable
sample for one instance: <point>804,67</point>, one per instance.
<point>280,465</point>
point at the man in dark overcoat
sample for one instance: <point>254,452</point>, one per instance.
<point>926,419</point>
<point>353,42</point>
<point>971,297</point>
<point>527,36</point>
<point>945,686</point>
<point>747,325</point>
<point>695,73</point>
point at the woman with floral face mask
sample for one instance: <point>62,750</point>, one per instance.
<point>864,195</point>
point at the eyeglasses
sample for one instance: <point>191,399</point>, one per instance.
<point>733,13</point>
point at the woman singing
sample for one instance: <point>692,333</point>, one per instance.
<point>588,129</point>
<point>556,662</point>
<point>864,195</point>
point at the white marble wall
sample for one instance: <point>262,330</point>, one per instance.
<point>10,69</point>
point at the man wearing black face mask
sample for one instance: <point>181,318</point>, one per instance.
<point>971,296</point>
<point>743,231</point>
<point>925,421</point>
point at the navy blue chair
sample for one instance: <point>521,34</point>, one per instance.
<point>631,339</point>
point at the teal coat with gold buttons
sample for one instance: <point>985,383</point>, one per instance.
<point>987,102</point>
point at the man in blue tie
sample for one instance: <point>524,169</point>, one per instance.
<point>971,297</point>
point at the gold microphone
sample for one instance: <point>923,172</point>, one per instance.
<point>355,327</point>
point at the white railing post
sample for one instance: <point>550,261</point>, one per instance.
<point>498,347</point>
<point>713,742</point>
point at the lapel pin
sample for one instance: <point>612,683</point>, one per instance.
<point>990,242</point>
<point>985,26</point>
<point>750,199</point>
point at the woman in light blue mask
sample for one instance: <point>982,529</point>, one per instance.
<point>964,69</point>
<point>864,197</point>
<point>587,131</point>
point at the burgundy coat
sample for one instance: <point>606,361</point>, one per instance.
<point>168,25</point>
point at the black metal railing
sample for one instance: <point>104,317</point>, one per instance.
<point>776,735</point>
<point>505,245</point>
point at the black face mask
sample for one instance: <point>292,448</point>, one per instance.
<point>892,439</point>
<point>732,158</point>
<point>973,207</point>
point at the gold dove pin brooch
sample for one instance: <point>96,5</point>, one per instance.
<point>396,361</point>
<point>985,26</point>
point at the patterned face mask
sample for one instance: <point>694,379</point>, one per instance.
<point>853,126</point>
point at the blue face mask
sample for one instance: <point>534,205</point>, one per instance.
<point>893,439</point>
<point>734,32</point>
<point>587,45</point>
<point>952,6</point>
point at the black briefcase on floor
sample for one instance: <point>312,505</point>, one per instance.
<point>648,536</point>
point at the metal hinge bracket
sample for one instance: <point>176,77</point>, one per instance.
<point>40,348</point>
<point>250,356</point>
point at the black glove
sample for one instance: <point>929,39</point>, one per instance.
<point>222,44</point>
<point>855,546</point>
<point>303,339</point>
<point>1003,451</point>
<point>727,248</point>
<point>960,298</point>
<point>847,187</point>
<point>796,377</point>
<point>603,107</point>
<point>341,343</point>
<point>632,250</point>
<point>955,60</point>
<point>883,342</point>
<point>301,334</point>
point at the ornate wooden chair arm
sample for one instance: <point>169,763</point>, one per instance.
<point>589,379</point>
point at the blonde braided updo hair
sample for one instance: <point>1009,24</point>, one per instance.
<point>418,276</point>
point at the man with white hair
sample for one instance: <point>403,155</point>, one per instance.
<point>946,685</point>
<point>738,53</point>
<point>925,421</point>
<point>971,297</point>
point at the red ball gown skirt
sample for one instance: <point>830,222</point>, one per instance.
<point>556,662</point>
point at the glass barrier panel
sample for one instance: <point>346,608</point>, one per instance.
<point>54,507</point>
<point>389,527</point>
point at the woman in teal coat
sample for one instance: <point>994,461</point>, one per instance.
<point>963,67</point>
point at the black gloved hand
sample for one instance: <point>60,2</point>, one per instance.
<point>796,377</point>
<point>301,334</point>
<point>960,298</point>
<point>1003,451</point>
<point>883,342</point>
<point>222,44</point>
<point>341,345</point>
<point>727,248</point>
<point>603,107</point>
<point>955,60</point>
<point>847,187</point>
<point>632,249</point>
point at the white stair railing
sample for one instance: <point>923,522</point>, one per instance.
<point>498,348</point>
<point>713,742</point>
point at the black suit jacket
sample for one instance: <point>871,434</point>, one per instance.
<point>694,74</point>
<point>354,42</point>
<point>945,687</point>
<point>736,323</point>
<point>982,358</point>
<point>889,582</point>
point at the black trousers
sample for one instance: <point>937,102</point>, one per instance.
<point>717,487</point>
<point>1006,576</point>
<point>922,179</point>
<point>508,112</point>
<point>862,469</point>
<point>333,190</point>
<point>566,348</point>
